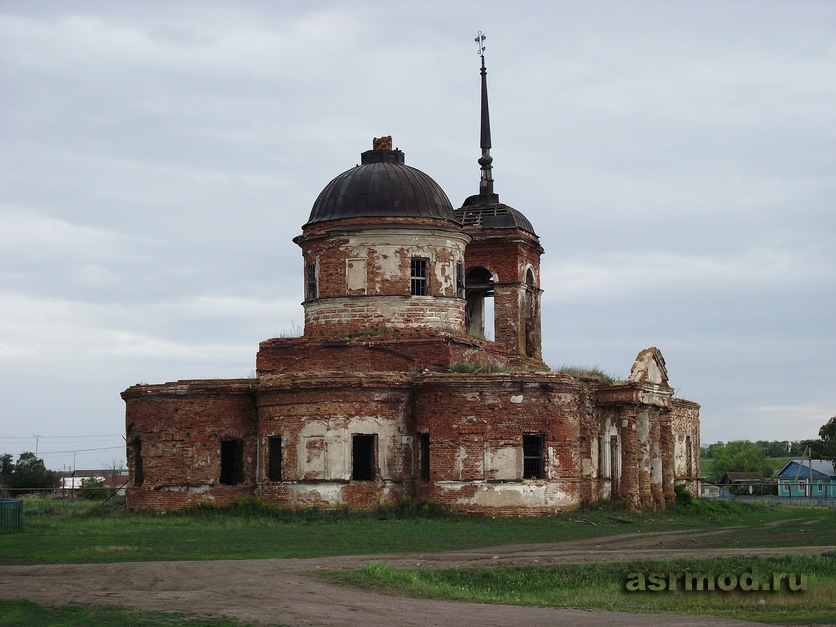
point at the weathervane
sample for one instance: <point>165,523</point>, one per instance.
<point>485,161</point>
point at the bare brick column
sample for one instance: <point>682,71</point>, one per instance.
<point>643,457</point>
<point>656,461</point>
<point>629,487</point>
<point>666,450</point>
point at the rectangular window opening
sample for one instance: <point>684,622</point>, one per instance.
<point>533,456</point>
<point>460,291</point>
<point>424,455</point>
<point>232,462</point>
<point>418,283</point>
<point>310,281</point>
<point>362,457</point>
<point>274,457</point>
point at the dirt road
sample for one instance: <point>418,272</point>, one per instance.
<point>285,591</point>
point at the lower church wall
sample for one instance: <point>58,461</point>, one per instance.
<point>478,427</point>
<point>318,418</point>
<point>500,444</point>
<point>176,435</point>
<point>685,423</point>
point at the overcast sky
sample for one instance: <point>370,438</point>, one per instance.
<point>677,160</point>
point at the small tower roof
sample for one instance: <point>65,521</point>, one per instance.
<point>484,209</point>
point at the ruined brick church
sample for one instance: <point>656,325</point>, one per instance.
<point>393,390</point>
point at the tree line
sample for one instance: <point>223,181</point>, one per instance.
<point>28,472</point>
<point>746,456</point>
<point>822,448</point>
<point>772,448</point>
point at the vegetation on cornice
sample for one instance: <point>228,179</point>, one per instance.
<point>464,367</point>
<point>584,373</point>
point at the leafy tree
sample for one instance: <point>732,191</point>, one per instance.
<point>739,456</point>
<point>7,466</point>
<point>92,489</point>
<point>778,448</point>
<point>28,472</point>
<point>825,446</point>
<point>707,452</point>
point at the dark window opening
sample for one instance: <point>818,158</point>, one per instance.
<point>460,291</point>
<point>310,281</point>
<point>689,470</point>
<point>274,459</point>
<point>533,456</point>
<point>614,455</point>
<point>479,288</point>
<point>139,475</point>
<point>424,455</point>
<point>232,462</point>
<point>418,283</point>
<point>602,458</point>
<point>362,457</point>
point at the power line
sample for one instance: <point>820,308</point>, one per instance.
<point>85,450</point>
<point>62,437</point>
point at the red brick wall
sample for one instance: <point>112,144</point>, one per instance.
<point>392,352</point>
<point>475,424</point>
<point>180,427</point>
<point>326,411</point>
<point>507,254</point>
<point>685,423</point>
<point>385,250</point>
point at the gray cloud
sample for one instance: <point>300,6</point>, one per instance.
<point>675,159</point>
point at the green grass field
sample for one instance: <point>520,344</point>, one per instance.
<point>61,533</point>
<point>602,586</point>
<point>26,614</point>
<point>88,533</point>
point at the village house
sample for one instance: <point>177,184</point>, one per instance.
<point>736,483</point>
<point>392,390</point>
<point>807,477</point>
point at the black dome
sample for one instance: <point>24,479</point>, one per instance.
<point>485,211</point>
<point>382,186</point>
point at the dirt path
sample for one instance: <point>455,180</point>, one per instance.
<point>283,591</point>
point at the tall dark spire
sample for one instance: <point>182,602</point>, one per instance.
<point>485,161</point>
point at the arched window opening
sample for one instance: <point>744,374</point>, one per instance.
<point>479,288</point>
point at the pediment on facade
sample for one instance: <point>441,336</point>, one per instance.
<point>649,367</point>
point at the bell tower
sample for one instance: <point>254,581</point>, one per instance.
<point>502,260</point>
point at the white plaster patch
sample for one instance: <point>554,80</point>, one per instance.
<point>330,493</point>
<point>517,399</point>
<point>586,467</point>
<point>197,489</point>
<point>505,463</point>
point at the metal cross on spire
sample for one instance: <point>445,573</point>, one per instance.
<point>485,161</point>
<point>480,41</point>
